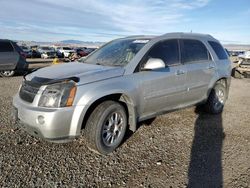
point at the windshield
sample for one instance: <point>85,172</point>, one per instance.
<point>116,53</point>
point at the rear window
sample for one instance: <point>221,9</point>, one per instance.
<point>194,50</point>
<point>219,50</point>
<point>6,47</point>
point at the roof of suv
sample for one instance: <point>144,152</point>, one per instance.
<point>175,34</point>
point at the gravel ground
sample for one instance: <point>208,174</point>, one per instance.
<point>179,149</point>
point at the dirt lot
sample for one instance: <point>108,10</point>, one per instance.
<point>179,149</point>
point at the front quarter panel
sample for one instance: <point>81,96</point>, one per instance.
<point>89,93</point>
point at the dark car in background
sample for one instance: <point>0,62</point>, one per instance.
<point>89,50</point>
<point>35,54</point>
<point>12,58</point>
<point>27,51</point>
<point>81,52</point>
<point>46,52</point>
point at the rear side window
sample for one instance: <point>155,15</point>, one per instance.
<point>194,50</point>
<point>6,47</point>
<point>218,49</point>
<point>168,51</point>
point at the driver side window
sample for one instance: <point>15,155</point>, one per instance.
<point>167,51</point>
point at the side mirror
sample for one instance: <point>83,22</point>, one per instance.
<point>153,63</point>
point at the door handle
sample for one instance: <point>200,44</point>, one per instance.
<point>211,67</point>
<point>180,72</point>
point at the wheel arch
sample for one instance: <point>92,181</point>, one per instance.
<point>224,81</point>
<point>123,99</point>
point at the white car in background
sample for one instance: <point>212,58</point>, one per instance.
<point>245,55</point>
<point>65,51</point>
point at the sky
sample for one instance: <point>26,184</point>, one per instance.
<point>104,20</point>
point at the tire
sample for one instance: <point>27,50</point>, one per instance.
<point>216,100</point>
<point>9,73</point>
<point>106,127</point>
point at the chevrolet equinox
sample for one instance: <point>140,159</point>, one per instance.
<point>126,81</point>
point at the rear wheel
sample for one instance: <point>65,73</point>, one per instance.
<point>8,73</point>
<point>217,98</point>
<point>106,127</point>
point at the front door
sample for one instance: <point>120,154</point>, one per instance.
<point>163,89</point>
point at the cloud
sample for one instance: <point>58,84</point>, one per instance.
<point>95,17</point>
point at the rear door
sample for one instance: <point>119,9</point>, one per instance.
<point>200,69</point>
<point>8,56</point>
<point>163,89</point>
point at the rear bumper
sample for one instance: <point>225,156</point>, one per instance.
<point>50,124</point>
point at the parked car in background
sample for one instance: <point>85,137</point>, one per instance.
<point>65,51</point>
<point>124,82</point>
<point>84,51</point>
<point>81,52</point>
<point>245,55</point>
<point>12,58</point>
<point>27,51</point>
<point>35,54</point>
<point>46,52</point>
<point>89,50</point>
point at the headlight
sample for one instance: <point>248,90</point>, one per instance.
<point>58,95</point>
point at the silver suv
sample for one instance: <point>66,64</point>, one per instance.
<point>124,82</point>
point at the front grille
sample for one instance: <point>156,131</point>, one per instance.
<point>28,91</point>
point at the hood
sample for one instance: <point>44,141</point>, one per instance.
<point>85,72</point>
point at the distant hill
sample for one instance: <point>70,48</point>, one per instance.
<point>78,43</point>
<point>62,43</point>
<point>71,42</point>
<point>239,47</point>
<point>82,43</point>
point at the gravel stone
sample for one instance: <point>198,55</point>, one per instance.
<point>185,148</point>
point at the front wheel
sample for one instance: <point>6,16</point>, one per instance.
<point>8,73</point>
<point>106,127</point>
<point>217,98</point>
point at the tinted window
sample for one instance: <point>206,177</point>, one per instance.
<point>168,51</point>
<point>194,50</point>
<point>6,47</point>
<point>218,49</point>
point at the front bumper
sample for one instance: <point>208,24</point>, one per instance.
<point>50,124</point>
